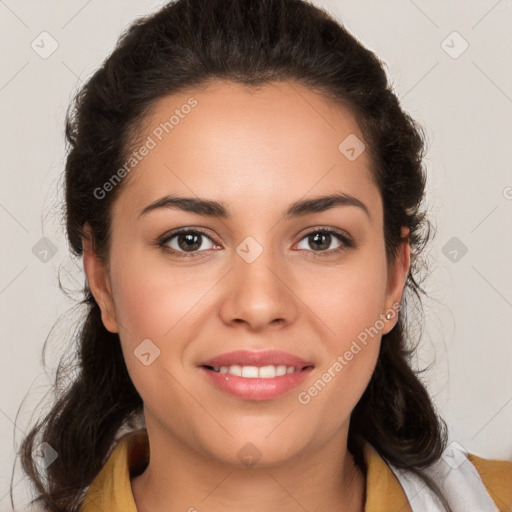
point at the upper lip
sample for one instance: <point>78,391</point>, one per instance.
<point>261,358</point>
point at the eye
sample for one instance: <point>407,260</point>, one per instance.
<point>189,242</point>
<point>322,239</point>
<point>186,241</point>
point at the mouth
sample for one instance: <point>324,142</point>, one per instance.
<point>257,372</point>
<point>256,376</point>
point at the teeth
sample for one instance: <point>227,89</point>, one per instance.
<point>254,372</point>
<point>267,372</point>
<point>251,372</point>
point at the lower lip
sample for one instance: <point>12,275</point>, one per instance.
<point>257,389</point>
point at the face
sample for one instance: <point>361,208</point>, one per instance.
<point>306,289</point>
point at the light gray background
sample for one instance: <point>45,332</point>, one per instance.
<point>465,103</point>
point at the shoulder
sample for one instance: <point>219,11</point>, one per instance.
<point>496,475</point>
<point>111,488</point>
<point>465,481</point>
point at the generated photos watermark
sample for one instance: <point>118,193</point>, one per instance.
<point>304,397</point>
<point>151,142</point>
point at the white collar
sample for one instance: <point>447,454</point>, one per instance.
<point>457,478</point>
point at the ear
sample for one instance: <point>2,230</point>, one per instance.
<point>397,277</point>
<point>99,281</point>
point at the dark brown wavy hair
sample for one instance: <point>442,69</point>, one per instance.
<point>193,43</point>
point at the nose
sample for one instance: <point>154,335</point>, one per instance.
<point>259,294</point>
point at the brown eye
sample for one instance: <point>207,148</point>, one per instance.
<point>189,241</point>
<point>321,241</point>
<point>186,241</point>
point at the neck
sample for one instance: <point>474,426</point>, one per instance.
<point>180,479</point>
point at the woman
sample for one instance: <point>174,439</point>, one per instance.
<point>246,194</point>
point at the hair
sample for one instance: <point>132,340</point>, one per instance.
<point>193,43</point>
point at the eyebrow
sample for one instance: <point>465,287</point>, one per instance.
<point>221,210</point>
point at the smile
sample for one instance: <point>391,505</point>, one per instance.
<point>256,375</point>
<point>255,372</point>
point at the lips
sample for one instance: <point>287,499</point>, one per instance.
<point>266,358</point>
<point>256,375</point>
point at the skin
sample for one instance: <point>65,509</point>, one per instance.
<point>257,151</point>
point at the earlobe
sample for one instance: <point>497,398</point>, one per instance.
<point>99,281</point>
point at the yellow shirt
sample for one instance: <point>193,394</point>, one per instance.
<point>111,491</point>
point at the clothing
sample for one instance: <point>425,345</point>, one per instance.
<point>458,480</point>
<point>111,491</point>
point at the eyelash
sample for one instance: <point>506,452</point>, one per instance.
<point>347,242</point>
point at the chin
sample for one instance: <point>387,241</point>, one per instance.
<point>250,450</point>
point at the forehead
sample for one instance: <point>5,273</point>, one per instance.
<point>246,145</point>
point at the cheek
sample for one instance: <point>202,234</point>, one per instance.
<point>349,304</point>
<point>351,354</point>
<point>331,397</point>
<point>347,299</point>
<point>156,302</point>
<point>152,306</point>
<point>151,298</point>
